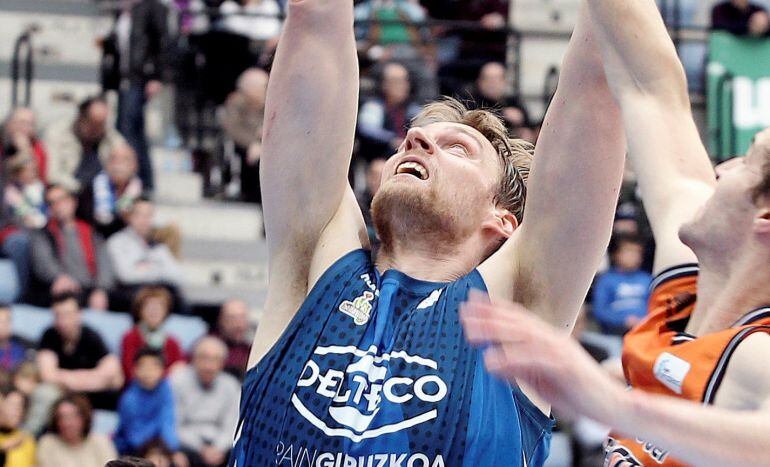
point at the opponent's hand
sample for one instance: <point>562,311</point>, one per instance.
<point>521,347</point>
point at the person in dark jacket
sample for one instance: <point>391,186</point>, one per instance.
<point>740,17</point>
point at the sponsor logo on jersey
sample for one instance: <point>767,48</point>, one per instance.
<point>299,456</point>
<point>671,371</point>
<point>364,399</point>
<point>359,309</point>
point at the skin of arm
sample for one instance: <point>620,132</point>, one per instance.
<point>572,193</point>
<point>311,216</point>
<point>107,375</point>
<point>523,348</point>
<point>646,77</point>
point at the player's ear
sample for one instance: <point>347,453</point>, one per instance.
<point>503,223</point>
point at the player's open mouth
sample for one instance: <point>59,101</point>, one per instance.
<point>412,168</point>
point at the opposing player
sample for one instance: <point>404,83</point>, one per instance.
<point>707,338</point>
<point>361,361</point>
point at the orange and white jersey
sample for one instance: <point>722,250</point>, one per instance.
<point>659,357</point>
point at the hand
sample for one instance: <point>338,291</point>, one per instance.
<point>98,300</point>
<point>492,21</point>
<point>180,459</point>
<point>152,88</point>
<point>521,347</point>
<point>253,153</point>
<point>64,283</point>
<point>212,456</point>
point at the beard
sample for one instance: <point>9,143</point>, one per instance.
<point>401,214</point>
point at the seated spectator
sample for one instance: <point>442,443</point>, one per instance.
<point>620,295</point>
<point>491,90</point>
<point>234,330</point>
<point>138,260</point>
<point>146,408</point>
<point>41,397</point>
<point>18,138</point>
<point>68,256</point>
<point>78,149</point>
<point>17,447</point>
<point>206,404</point>
<point>24,195</point>
<point>151,308</point>
<point>397,37</point>
<point>242,120</point>
<point>373,179</point>
<point>105,201</point>
<point>740,17</point>
<point>13,351</point>
<point>74,357</point>
<point>70,442</point>
<point>384,120</point>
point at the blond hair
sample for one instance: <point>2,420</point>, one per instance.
<point>515,154</point>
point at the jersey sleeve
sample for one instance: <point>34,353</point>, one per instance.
<point>673,286</point>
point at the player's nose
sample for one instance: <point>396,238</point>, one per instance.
<point>417,139</point>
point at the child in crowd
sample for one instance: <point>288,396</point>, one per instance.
<point>620,295</point>
<point>24,196</point>
<point>146,408</point>
<point>17,447</point>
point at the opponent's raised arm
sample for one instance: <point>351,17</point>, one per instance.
<point>665,150</point>
<point>310,116</point>
<point>572,192</point>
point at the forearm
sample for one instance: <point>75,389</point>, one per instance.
<point>310,119</point>
<point>698,435</point>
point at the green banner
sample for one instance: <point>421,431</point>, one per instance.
<point>738,92</point>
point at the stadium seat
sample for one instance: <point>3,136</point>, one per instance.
<point>30,322</point>
<point>186,329</point>
<point>111,327</point>
<point>9,281</point>
<point>105,422</point>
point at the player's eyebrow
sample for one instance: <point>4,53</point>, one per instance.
<point>473,135</point>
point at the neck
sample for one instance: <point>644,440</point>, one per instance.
<point>428,262</point>
<point>726,293</point>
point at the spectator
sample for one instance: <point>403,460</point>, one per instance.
<point>151,308</point>
<point>620,295</point>
<point>24,195</point>
<point>13,351</point>
<point>77,150</point>
<point>373,178</point>
<point>242,120</point>
<point>158,453</point>
<point>74,357</point>
<point>146,408</point>
<point>19,138</point>
<point>143,50</point>
<point>397,37</point>
<point>740,17</point>
<point>17,447</point>
<point>68,255</point>
<point>41,397</point>
<point>105,202</point>
<point>138,260</point>
<point>206,404</point>
<point>234,330</point>
<point>70,442</point>
<point>491,90</point>
<point>384,120</point>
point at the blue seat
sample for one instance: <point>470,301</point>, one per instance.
<point>185,329</point>
<point>111,327</point>
<point>9,282</point>
<point>30,322</point>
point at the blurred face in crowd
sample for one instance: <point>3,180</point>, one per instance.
<point>628,256</point>
<point>253,85</point>
<point>148,371</point>
<point>158,457</point>
<point>12,410</point>
<point>121,165</point>
<point>234,320</point>
<point>21,122</point>
<point>5,324</point>
<point>61,204</point>
<point>374,175</point>
<point>154,312</point>
<point>67,319</point>
<point>209,359</point>
<point>93,126</point>
<point>395,84</point>
<point>725,224</point>
<point>141,217</point>
<point>70,423</point>
<point>491,81</point>
<point>625,226</point>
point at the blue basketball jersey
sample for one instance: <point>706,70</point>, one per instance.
<point>374,371</point>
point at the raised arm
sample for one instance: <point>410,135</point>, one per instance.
<point>573,187</point>
<point>310,116</point>
<point>665,150</point>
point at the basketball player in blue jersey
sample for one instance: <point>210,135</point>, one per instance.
<point>361,361</point>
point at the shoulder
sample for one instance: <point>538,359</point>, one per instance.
<point>748,375</point>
